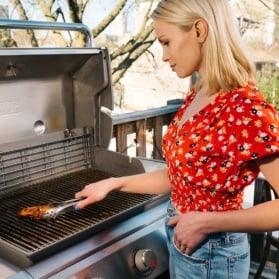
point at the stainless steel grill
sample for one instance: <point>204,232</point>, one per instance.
<point>38,161</point>
<point>31,238</point>
<point>53,109</point>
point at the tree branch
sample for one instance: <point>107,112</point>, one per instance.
<point>23,16</point>
<point>107,20</point>
<point>268,7</point>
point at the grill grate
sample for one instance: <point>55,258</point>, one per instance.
<point>24,165</point>
<point>33,236</point>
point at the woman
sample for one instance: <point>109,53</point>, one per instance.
<point>223,135</point>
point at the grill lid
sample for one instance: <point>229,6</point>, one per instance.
<point>47,90</point>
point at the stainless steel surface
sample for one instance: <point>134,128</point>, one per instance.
<point>54,209</point>
<point>107,254</point>
<point>55,109</point>
<point>43,25</point>
<point>114,246</point>
<point>60,209</point>
<point>53,90</point>
<point>25,241</point>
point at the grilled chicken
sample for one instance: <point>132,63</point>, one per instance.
<point>35,212</point>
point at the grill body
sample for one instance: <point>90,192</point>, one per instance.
<point>55,118</point>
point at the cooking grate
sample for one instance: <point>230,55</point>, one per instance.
<point>33,236</point>
<point>30,163</point>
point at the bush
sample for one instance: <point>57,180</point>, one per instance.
<point>268,81</point>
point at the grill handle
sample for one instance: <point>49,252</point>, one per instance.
<point>44,25</point>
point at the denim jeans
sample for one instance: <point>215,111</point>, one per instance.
<point>220,256</point>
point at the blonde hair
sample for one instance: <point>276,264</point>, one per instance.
<point>225,61</point>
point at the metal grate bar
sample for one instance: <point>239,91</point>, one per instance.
<point>28,164</point>
<point>32,236</point>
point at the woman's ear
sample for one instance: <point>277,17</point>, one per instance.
<point>201,30</point>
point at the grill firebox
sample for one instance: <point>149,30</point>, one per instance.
<point>53,171</point>
<point>32,239</point>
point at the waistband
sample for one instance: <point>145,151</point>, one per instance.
<point>171,212</point>
<point>228,237</point>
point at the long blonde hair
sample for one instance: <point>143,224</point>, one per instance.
<point>225,60</point>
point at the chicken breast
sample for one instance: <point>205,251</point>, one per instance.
<point>35,212</point>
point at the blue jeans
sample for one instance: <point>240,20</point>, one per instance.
<point>220,256</point>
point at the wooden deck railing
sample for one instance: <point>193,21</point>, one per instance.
<point>141,122</point>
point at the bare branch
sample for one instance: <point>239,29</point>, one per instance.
<point>46,7</point>
<point>75,9</point>
<point>136,50</point>
<point>139,37</point>
<point>147,15</point>
<point>107,20</point>
<point>268,7</point>
<point>23,16</point>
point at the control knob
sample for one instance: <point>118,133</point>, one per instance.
<point>145,261</point>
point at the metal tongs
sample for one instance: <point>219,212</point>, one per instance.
<point>60,208</point>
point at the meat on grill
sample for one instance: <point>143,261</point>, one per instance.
<point>35,212</point>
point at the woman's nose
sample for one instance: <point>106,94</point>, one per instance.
<point>165,57</point>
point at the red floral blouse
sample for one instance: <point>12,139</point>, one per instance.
<point>212,157</point>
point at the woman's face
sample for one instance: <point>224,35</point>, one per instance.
<point>181,49</point>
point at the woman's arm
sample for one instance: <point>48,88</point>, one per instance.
<point>156,182</point>
<point>262,217</point>
<point>193,227</point>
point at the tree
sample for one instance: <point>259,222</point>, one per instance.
<point>124,52</point>
<point>258,25</point>
<point>122,56</point>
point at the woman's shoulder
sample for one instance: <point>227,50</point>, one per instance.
<point>249,100</point>
<point>247,95</point>
<point>249,91</point>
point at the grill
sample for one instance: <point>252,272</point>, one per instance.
<point>55,110</point>
<point>32,237</point>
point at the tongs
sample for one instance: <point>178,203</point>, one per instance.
<point>60,208</point>
<point>48,211</point>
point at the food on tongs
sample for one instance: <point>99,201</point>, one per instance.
<point>48,211</point>
<point>35,212</point>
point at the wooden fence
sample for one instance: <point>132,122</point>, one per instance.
<point>141,122</point>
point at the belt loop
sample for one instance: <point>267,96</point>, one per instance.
<point>170,210</point>
<point>227,238</point>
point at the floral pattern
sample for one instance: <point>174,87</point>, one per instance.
<point>212,157</point>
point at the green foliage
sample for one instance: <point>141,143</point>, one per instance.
<point>268,81</point>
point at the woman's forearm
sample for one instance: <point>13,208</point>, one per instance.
<point>156,182</point>
<point>146,183</point>
<point>262,217</point>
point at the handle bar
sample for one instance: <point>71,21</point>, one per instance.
<point>44,25</point>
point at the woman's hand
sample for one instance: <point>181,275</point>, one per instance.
<point>156,182</point>
<point>189,231</point>
<point>95,192</point>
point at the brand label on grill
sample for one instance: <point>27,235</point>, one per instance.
<point>7,108</point>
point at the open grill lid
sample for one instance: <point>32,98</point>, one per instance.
<point>47,90</point>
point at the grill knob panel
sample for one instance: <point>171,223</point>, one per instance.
<point>145,261</point>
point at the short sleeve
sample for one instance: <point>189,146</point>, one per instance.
<point>253,125</point>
